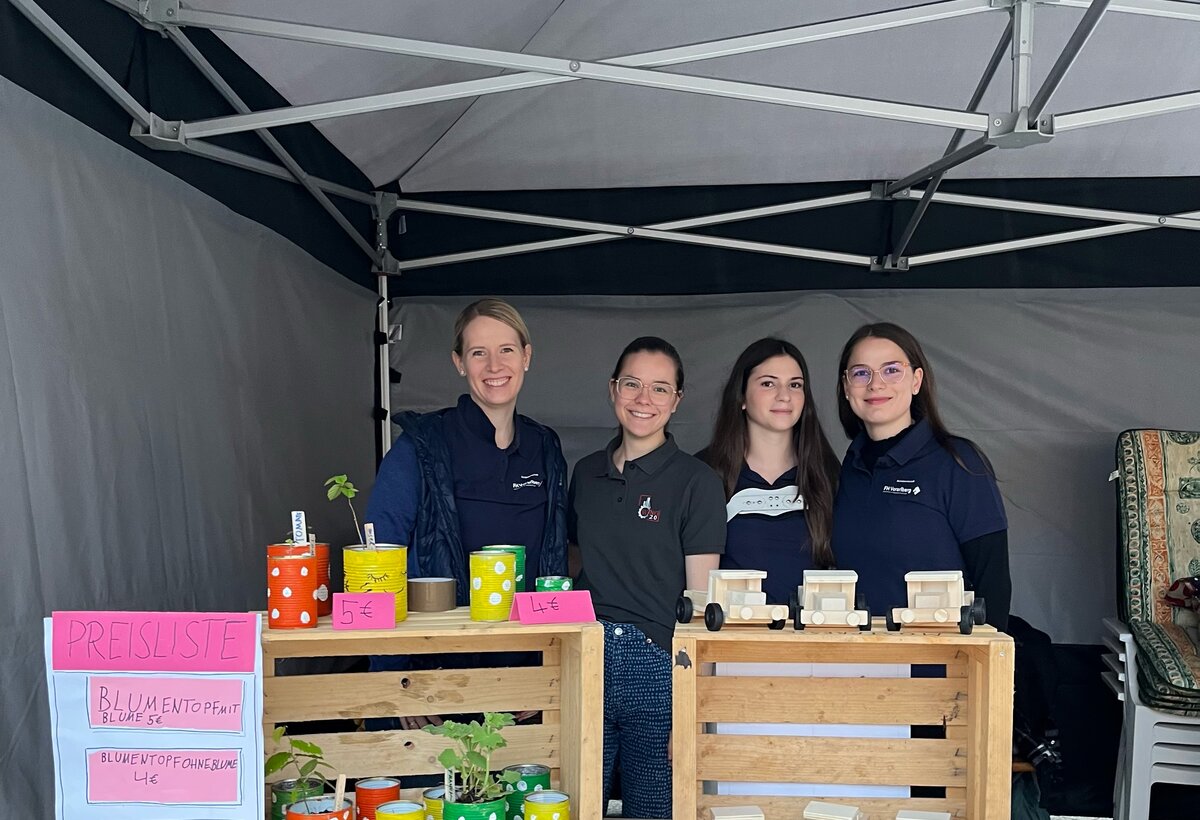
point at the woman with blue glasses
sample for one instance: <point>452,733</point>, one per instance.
<point>911,496</point>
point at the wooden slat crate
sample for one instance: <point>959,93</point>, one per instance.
<point>567,689</point>
<point>973,703</point>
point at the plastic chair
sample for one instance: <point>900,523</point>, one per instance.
<point>1156,747</point>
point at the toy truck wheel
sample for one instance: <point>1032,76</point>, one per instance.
<point>714,617</point>
<point>777,624</point>
<point>684,609</point>
<point>794,606</point>
<point>861,602</point>
<point>965,621</point>
<point>798,621</point>
<point>892,626</point>
<point>979,611</point>
<point>853,619</point>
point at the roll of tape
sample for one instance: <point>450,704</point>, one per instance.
<point>431,594</point>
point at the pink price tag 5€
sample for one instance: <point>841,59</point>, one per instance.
<point>364,610</point>
<point>553,607</point>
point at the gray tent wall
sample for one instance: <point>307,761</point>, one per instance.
<point>1042,380</point>
<point>174,380</point>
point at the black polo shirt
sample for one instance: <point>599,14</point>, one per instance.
<point>500,494</point>
<point>913,511</point>
<point>768,530</point>
<point>634,529</point>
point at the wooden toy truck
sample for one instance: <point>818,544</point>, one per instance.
<point>820,810</point>
<point>735,595</point>
<point>827,599</point>
<point>937,599</point>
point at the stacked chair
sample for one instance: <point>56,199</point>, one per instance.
<point>1155,664</point>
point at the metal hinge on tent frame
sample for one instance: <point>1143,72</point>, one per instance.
<point>386,205</point>
<point>155,14</point>
<point>164,135</point>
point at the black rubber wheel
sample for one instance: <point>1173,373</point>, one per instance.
<point>684,609</point>
<point>892,626</point>
<point>861,603</point>
<point>965,621</point>
<point>979,612</point>
<point>777,624</point>
<point>793,605</point>
<point>799,624</point>
<point>714,617</point>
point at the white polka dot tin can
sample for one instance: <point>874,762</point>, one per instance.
<point>291,591</point>
<point>321,807</point>
<point>553,583</point>
<point>493,581</point>
<point>400,810</point>
<point>432,798</point>
<point>533,777</point>
<point>517,550</point>
<point>547,805</point>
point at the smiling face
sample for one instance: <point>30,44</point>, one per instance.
<point>640,418</point>
<point>494,362</point>
<point>884,408</point>
<point>774,395</point>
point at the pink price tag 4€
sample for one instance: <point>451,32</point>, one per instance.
<point>364,610</point>
<point>553,607</point>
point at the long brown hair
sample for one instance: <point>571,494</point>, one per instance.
<point>924,403</point>
<point>816,465</point>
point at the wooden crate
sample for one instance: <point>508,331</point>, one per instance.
<point>567,689</point>
<point>973,702</point>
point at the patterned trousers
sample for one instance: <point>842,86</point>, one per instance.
<point>637,720</point>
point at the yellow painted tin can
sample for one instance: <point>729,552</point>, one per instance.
<point>433,802</point>
<point>382,569</point>
<point>547,805</point>
<point>400,810</point>
<point>493,581</point>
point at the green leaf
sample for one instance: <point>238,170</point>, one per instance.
<point>508,777</point>
<point>278,733</point>
<point>476,759</point>
<point>449,759</point>
<point>276,762</point>
<point>308,768</point>
<point>332,493</point>
<point>306,747</point>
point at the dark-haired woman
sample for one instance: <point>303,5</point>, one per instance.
<point>911,496</point>
<point>777,466</point>
<point>646,518</point>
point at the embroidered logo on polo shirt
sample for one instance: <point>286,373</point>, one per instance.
<point>530,480</point>
<point>895,489</point>
<point>644,512</point>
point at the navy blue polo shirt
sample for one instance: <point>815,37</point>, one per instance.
<point>767,530</point>
<point>500,494</point>
<point>912,512</point>
<point>634,529</point>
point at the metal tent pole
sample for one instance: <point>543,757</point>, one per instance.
<point>1070,51</point>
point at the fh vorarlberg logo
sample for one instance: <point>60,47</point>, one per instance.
<point>644,512</point>
<point>530,480</point>
<point>897,489</point>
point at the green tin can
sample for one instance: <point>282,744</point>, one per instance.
<point>534,778</point>
<point>553,583</point>
<point>517,550</point>
<point>286,792</point>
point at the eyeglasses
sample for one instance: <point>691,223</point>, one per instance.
<point>861,376</point>
<point>630,388</point>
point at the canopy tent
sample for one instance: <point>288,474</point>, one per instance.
<point>605,148</point>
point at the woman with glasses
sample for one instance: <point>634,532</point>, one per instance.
<point>646,520</point>
<point>777,466</point>
<point>478,473</point>
<point>911,496</point>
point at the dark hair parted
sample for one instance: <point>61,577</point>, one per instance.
<point>652,344</point>
<point>924,403</point>
<point>817,466</point>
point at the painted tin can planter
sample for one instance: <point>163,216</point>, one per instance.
<point>382,569</point>
<point>553,583</point>
<point>291,591</point>
<point>433,803</point>
<point>534,778</point>
<point>373,792</point>
<point>517,550</point>
<point>493,576</point>
<point>400,810</point>
<point>286,792</point>
<point>547,805</point>
<point>321,807</point>
<point>492,810</point>
<point>324,579</point>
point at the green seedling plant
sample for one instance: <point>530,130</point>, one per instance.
<point>339,485</point>
<point>306,759</point>
<point>470,757</point>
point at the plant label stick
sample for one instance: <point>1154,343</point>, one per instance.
<point>299,530</point>
<point>369,529</point>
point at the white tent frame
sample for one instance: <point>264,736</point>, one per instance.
<point>1026,123</point>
